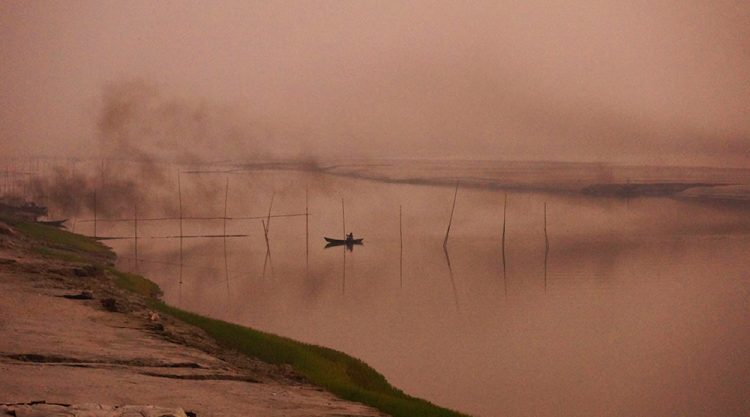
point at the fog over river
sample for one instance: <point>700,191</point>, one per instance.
<point>639,306</point>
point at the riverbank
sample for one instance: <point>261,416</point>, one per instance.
<point>74,330</point>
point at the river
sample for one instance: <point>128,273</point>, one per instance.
<point>634,306</point>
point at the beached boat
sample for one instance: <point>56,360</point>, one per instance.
<point>53,223</point>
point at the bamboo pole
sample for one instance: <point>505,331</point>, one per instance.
<point>401,245</point>
<point>343,218</point>
<point>343,257</point>
<point>268,218</point>
<point>505,210</point>
<point>101,172</point>
<point>217,236</point>
<point>135,234</point>
<point>450,221</point>
<point>307,231</point>
<point>41,174</point>
<point>130,219</point>
<point>265,233</point>
<point>94,214</point>
<point>16,184</point>
<point>266,227</point>
<point>226,198</point>
<point>29,173</point>
<point>266,230</point>
<point>546,247</point>
<point>179,197</point>
<point>226,258</point>
<point>267,259</point>
<point>25,179</point>
<point>8,179</point>
<point>36,180</point>
<point>546,239</point>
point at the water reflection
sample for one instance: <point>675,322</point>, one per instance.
<point>450,274</point>
<point>505,211</point>
<point>266,227</point>
<point>610,307</point>
<point>546,247</point>
<point>347,244</point>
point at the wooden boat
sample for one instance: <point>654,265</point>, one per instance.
<point>333,242</point>
<point>53,223</point>
<point>28,211</point>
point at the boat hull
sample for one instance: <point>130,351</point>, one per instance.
<point>53,223</point>
<point>343,241</point>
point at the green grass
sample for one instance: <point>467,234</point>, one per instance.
<point>60,254</point>
<point>343,375</point>
<point>59,243</point>
<point>136,283</point>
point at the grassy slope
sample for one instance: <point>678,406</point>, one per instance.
<point>343,375</point>
<point>60,244</point>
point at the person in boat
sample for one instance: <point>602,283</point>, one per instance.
<point>350,237</point>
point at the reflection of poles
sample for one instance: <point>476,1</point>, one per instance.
<point>447,232</point>
<point>450,272</point>
<point>101,173</point>
<point>546,246</point>
<point>401,243</point>
<point>266,229</point>
<point>179,198</point>
<point>41,174</point>
<point>343,266</point>
<point>546,240</point>
<point>226,259</point>
<point>505,210</point>
<point>307,231</point>
<point>268,247</point>
<point>36,180</point>
<point>25,179</point>
<point>8,185</point>
<point>135,235</point>
<point>343,270</point>
<point>94,214</point>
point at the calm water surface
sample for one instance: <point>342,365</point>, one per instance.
<point>639,308</point>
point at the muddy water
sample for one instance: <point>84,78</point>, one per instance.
<point>640,307</point>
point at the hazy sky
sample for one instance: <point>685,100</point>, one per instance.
<point>623,81</point>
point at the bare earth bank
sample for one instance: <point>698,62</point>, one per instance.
<point>75,351</point>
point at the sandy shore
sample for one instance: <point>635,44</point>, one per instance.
<point>76,351</point>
